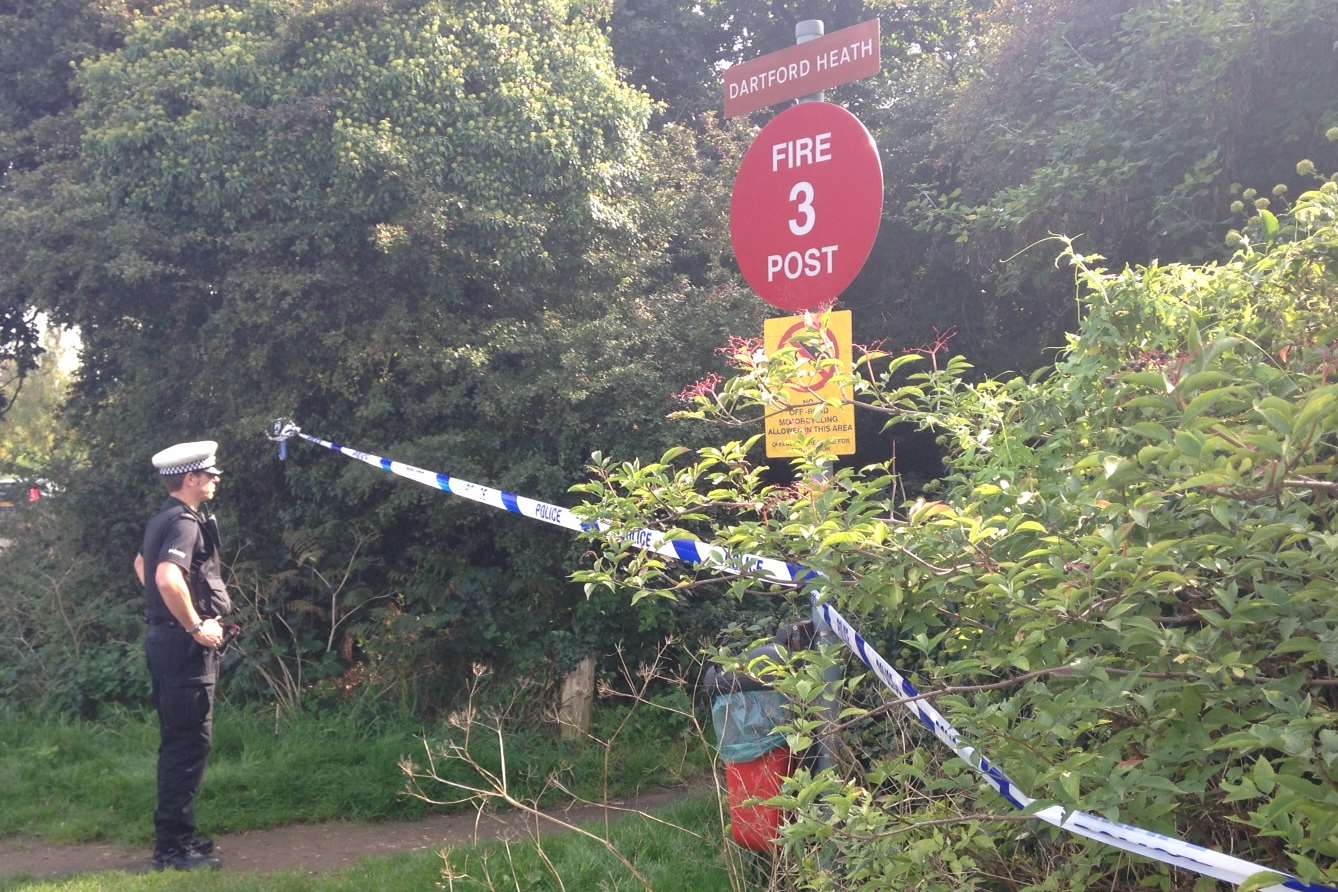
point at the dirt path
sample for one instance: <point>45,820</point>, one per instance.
<point>316,848</point>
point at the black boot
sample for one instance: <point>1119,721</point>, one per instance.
<point>184,859</point>
<point>200,845</point>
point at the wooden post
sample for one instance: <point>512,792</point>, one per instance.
<point>578,700</point>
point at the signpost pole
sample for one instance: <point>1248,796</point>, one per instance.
<point>810,29</point>
<point>824,637</point>
<point>808,199</point>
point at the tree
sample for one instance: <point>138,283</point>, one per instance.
<point>425,228</point>
<point>41,43</point>
<point>1126,123</point>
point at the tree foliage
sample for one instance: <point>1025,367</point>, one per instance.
<point>1125,123</point>
<point>465,235</point>
<point>1135,549</point>
<point>999,123</point>
<point>40,45</point>
<point>440,231</point>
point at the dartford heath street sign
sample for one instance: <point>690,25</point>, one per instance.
<point>807,203</point>
<point>839,58</point>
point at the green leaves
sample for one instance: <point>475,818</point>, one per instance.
<point>1263,776</point>
<point>1148,527</point>
<point>1317,405</point>
<point>1268,224</point>
<point>442,232</point>
<point>1210,398</point>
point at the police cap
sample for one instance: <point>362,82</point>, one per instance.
<point>186,457</point>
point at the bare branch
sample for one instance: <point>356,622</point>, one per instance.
<point>1311,483</point>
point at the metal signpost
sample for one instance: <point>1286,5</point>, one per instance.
<point>808,198</point>
<point>807,203</point>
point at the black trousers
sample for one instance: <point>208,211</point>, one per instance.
<point>183,676</point>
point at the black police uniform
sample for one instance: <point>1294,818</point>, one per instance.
<point>183,671</point>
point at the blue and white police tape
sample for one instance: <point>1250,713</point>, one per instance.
<point>765,569</point>
<point>1165,849</point>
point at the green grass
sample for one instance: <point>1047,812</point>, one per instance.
<point>73,781</point>
<point>672,861</point>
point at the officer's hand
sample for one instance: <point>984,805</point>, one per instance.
<point>210,634</point>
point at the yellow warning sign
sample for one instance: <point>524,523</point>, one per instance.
<point>822,408</point>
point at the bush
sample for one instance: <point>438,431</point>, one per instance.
<point>73,639</point>
<point>1138,542</point>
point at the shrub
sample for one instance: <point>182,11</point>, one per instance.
<point>1138,542</point>
<point>72,640</point>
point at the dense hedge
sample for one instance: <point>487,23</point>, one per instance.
<point>1141,539</point>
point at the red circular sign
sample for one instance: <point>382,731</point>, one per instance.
<point>807,203</point>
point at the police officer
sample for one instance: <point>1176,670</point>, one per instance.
<point>184,596</point>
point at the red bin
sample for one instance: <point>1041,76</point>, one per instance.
<point>756,827</point>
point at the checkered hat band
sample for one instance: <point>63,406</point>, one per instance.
<point>185,469</point>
